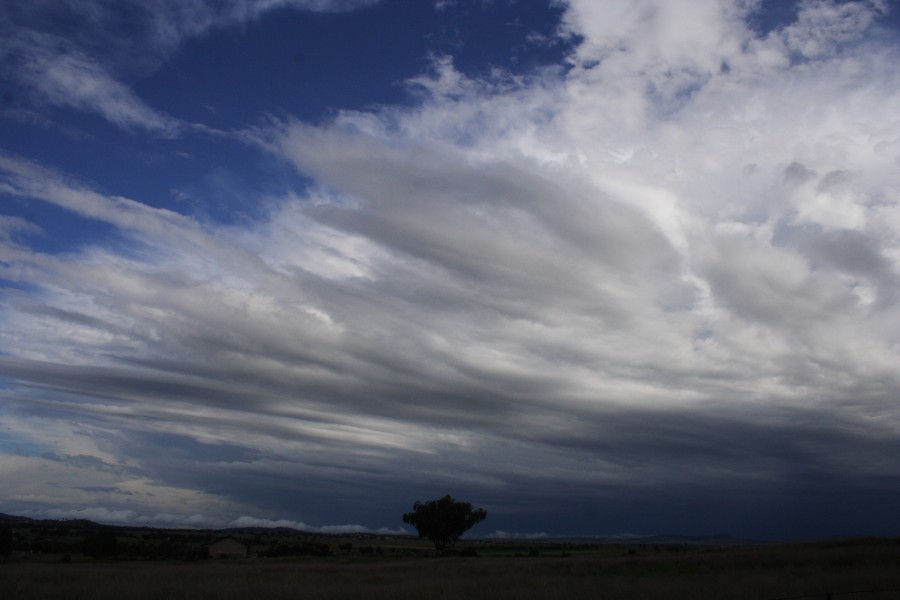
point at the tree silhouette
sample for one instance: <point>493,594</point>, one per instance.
<point>442,521</point>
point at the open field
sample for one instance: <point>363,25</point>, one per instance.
<point>615,571</point>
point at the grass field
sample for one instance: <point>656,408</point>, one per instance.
<point>616,572</point>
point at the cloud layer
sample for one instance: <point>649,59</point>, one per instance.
<point>668,267</point>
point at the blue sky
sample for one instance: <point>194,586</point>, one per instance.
<point>601,267</point>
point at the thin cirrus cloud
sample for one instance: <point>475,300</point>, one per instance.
<point>80,55</point>
<point>664,269</point>
<point>72,80</point>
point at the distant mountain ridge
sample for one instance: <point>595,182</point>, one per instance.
<point>668,538</point>
<point>6,517</point>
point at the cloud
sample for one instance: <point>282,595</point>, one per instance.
<point>12,228</point>
<point>143,34</point>
<point>80,55</point>
<point>127,517</point>
<point>647,274</point>
<point>246,521</point>
<point>28,179</point>
<point>822,26</point>
<point>68,78</point>
<point>194,521</point>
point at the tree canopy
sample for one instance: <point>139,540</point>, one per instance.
<point>442,521</point>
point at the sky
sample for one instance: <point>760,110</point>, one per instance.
<point>602,267</point>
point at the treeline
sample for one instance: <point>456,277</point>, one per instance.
<point>84,538</point>
<point>106,544</point>
<point>78,538</point>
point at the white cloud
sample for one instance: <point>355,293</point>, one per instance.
<point>76,81</point>
<point>247,521</point>
<point>822,26</point>
<point>62,75</point>
<point>14,227</point>
<point>29,179</point>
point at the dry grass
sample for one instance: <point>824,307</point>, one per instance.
<point>760,573</point>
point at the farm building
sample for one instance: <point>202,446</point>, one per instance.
<point>228,548</point>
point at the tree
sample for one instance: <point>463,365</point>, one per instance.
<point>442,521</point>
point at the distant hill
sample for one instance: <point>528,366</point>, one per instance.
<point>13,518</point>
<point>716,539</point>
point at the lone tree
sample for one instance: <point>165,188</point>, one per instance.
<point>442,521</point>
